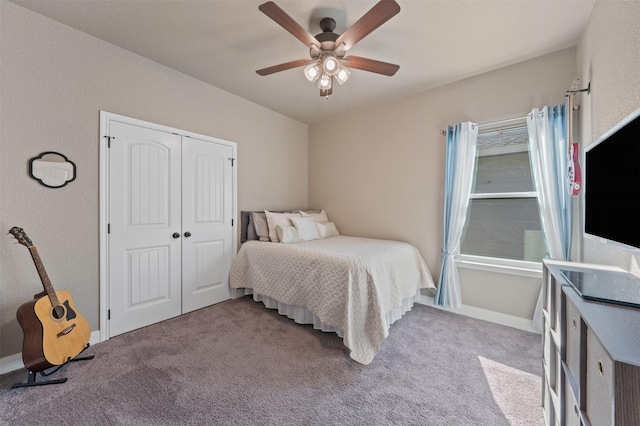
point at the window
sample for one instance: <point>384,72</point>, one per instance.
<point>503,219</point>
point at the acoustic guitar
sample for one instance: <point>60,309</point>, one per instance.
<point>54,331</point>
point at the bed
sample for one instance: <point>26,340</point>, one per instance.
<point>356,287</point>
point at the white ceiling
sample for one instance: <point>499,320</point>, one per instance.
<point>223,42</point>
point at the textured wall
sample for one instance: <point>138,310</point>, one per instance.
<point>54,81</point>
<point>380,172</point>
<point>609,57</point>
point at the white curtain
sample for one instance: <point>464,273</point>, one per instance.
<point>459,173</point>
<point>549,158</point>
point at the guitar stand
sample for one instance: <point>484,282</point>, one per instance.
<point>32,376</point>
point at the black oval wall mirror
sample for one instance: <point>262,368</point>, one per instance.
<point>52,169</point>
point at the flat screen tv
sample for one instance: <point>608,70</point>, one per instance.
<point>612,185</point>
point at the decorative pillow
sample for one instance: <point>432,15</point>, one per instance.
<point>275,219</point>
<point>260,225</point>
<point>287,234</point>
<point>306,228</point>
<point>327,230</point>
<point>318,217</point>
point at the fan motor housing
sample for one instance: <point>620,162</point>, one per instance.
<point>327,37</point>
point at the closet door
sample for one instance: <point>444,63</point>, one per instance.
<point>207,209</point>
<point>145,226</point>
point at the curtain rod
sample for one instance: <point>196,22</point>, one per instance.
<point>570,93</point>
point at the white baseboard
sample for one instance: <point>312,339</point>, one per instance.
<point>11,363</point>
<point>487,315</point>
<point>14,362</point>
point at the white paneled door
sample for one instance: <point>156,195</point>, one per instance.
<point>170,224</point>
<point>206,215</point>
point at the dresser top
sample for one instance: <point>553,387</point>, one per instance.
<point>617,327</point>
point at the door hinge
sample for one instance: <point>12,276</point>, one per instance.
<point>109,314</point>
<point>109,140</point>
<point>108,228</point>
<point>231,222</point>
<point>232,160</point>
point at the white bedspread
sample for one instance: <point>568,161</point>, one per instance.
<point>348,282</point>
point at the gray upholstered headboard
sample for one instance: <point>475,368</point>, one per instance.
<point>245,218</point>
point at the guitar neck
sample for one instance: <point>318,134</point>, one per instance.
<point>46,282</point>
<point>570,125</point>
<point>572,92</point>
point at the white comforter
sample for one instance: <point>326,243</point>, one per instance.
<point>348,282</point>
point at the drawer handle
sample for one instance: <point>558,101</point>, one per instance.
<point>575,324</point>
<point>575,409</point>
<point>601,367</point>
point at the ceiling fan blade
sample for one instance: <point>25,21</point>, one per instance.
<point>376,16</point>
<point>274,12</point>
<point>284,66</point>
<point>371,65</point>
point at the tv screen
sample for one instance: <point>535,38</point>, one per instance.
<point>612,184</point>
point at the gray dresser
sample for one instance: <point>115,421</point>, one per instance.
<point>591,351</point>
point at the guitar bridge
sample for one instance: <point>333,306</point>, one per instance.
<point>66,330</point>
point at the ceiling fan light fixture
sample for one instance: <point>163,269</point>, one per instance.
<point>342,75</point>
<point>330,64</point>
<point>312,71</point>
<point>326,82</point>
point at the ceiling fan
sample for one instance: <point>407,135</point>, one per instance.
<point>328,49</point>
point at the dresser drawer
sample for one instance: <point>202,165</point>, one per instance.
<point>627,399</point>
<point>570,406</point>
<point>551,359</point>
<point>599,380</point>
<point>550,406</point>
<point>556,304</point>
<point>573,339</point>
<point>551,300</point>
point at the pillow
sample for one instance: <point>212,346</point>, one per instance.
<point>260,225</point>
<point>327,230</point>
<point>275,219</point>
<point>318,217</point>
<point>251,229</point>
<point>287,234</point>
<point>306,228</point>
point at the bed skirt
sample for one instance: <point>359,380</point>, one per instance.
<point>302,315</point>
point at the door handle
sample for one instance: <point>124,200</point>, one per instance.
<point>176,235</point>
<point>187,234</point>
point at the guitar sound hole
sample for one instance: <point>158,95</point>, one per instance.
<point>58,312</point>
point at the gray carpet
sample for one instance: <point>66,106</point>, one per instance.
<point>240,363</point>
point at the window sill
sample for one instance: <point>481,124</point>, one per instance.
<point>502,266</point>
